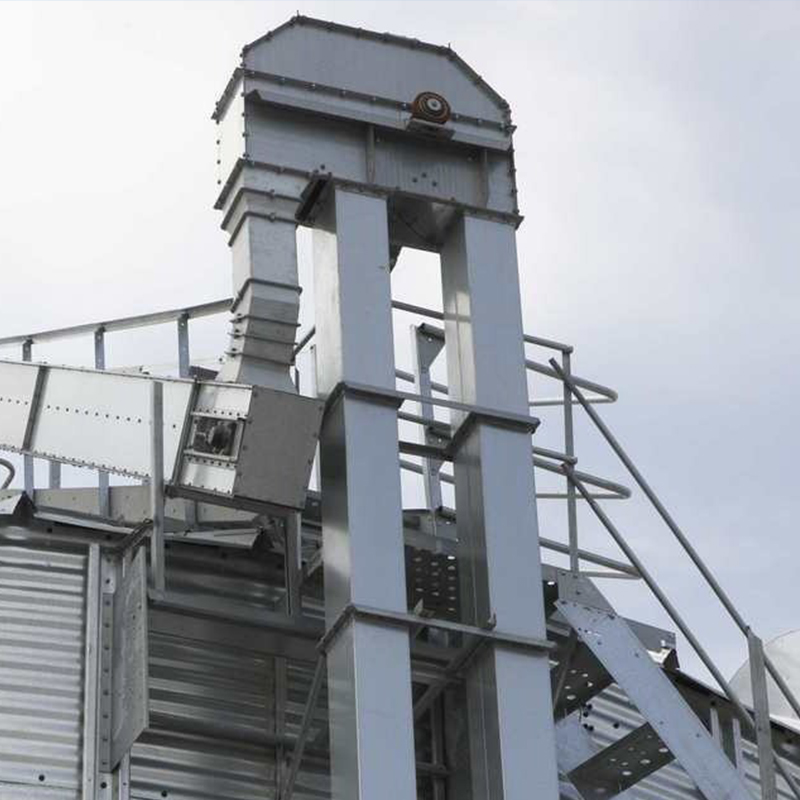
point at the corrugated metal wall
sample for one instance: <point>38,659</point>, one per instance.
<point>42,618</point>
<point>212,706</point>
<point>214,733</point>
<point>212,717</point>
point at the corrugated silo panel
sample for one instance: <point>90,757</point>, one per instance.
<point>42,622</point>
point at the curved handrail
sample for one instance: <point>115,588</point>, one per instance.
<point>11,473</point>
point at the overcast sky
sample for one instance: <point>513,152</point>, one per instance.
<point>657,155</point>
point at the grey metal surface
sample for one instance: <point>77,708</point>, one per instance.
<point>369,673</point>
<point>611,715</point>
<point>82,412</point>
<point>42,618</point>
<point>130,708</point>
<point>508,692</point>
<point>675,723</point>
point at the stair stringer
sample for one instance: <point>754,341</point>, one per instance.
<point>613,643</point>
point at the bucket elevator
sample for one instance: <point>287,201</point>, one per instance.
<point>257,613</point>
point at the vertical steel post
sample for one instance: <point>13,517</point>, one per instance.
<point>54,475</point>
<point>103,501</point>
<point>369,665</point>
<point>293,563</point>
<point>91,674</point>
<point>183,346</point>
<point>184,371</point>
<point>758,679</point>
<point>569,449</point>
<point>157,484</point>
<point>314,392</point>
<point>512,738</point>
<point>27,461</point>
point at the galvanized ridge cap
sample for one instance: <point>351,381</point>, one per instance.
<point>406,41</point>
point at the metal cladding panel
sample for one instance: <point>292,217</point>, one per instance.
<point>384,66</point>
<point>231,134</point>
<point>612,716</point>
<point>304,142</point>
<point>17,389</point>
<point>212,716</point>
<point>212,705</point>
<point>278,448</point>
<point>313,778</point>
<point>42,618</point>
<point>102,419</point>
<point>87,417</point>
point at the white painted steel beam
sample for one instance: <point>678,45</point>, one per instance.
<point>369,671</point>
<point>512,740</point>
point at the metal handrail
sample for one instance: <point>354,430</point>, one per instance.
<point>673,526</point>
<point>704,570</point>
<point>11,473</point>
<point>644,573</point>
<point>121,323</point>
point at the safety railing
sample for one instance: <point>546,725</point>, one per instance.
<point>574,394</point>
<point>757,723</point>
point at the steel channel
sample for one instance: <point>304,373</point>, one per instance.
<point>91,674</point>
<point>157,485</point>
<point>27,461</point>
<point>758,681</point>
<point>103,495</point>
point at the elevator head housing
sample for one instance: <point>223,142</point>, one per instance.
<point>315,102</point>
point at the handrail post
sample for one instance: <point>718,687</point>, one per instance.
<point>157,485</point>
<point>27,461</point>
<point>183,345</point>
<point>569,449</point>
<point>184,371</point>
<point>103,499</point>
<point>758,681</point>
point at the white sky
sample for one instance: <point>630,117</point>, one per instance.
<point>658,165</point>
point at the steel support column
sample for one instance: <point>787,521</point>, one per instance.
<point>369,671</point>
<point>103,492</point>
<point>512,739</point>
<point>28,476</point>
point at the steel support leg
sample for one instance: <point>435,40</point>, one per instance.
<point>369,670</point>
<point>103,492</point>
<point>27,461</point>
<point>512,740</point>
<point>157,485</point>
